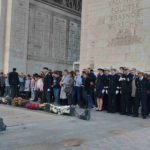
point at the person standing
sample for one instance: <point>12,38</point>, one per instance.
<point>33,87</point>
<point>77,88</point>
<point>69,87</point>
<point>148,95</point>
<point>28,87</point>
<point>48,82</point>
<point>106,84</point>
<point>86,91</point>
<point>112,92</point>
<point>38,88</point>
<point>132,104</point>
<point>126,89</point>
<point>2,84</point>
<point>141,95</point>
<point>13,79</point>
<point>7,87</point>
<point>21,83</point>
<point>100,89</point>
<point>92,78</point>
<point>63,83</point>
<point>56,87</point>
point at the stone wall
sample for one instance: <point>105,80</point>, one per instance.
<point>115,33</point>
<point>53,37</point>
<point>2,29</point>
<point>39,33</point>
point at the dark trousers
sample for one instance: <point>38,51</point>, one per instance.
<point>2,91</point>
<point>92,93</point>
<point>28,95</point>
<point>118,102</point>
<point>76,94</point>
<point>112,102</point>
<point>88,99</point>
<point>144,104</point>
<point>38,96</point>
<point>70,99</point>
<point>47,95</point>
<point>64,102</point>
<point>56,92</point>
<point>124,101</point>
<point>131,105</point>
<point>142,98</point>
<point>136,105</point>
<point>14,91</point>
<point>148,103</point>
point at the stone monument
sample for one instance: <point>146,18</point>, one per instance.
<point>37,33</point>
<point>115,33</point>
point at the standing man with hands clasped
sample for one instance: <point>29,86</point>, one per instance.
<point>48,82</point>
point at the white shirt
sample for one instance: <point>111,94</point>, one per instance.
<point>39,85</point>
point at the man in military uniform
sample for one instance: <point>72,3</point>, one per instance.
<point>125,80</point>
<point>133,93</point>
<point>92,78</point>
<point>13,79</point>
<point>106,84</point>
<point>141,95</point>
<point>112,88</point>
<point>129,77</point>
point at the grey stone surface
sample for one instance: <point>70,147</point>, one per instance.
<point>115,33</point>
<point>37,33</point>
<point>54,37</point>
<point>2,29</point>
<point>32,130</point>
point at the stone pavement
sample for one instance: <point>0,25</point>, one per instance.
<point>35,130</point>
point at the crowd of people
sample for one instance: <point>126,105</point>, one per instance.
<point>125,91</point>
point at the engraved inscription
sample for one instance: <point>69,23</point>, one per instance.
<point>125,22</point>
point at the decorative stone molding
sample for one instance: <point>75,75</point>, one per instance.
<point>73,6</point>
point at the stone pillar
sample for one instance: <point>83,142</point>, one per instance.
<point>16,35</point>
<point>2,31</point>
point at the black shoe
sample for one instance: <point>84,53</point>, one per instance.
<point>135,115</point>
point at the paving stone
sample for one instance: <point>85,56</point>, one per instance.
<point>32,130</point>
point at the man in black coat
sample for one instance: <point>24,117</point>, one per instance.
<point>2,84</point>
<point>106,84</point>
<point>126,90</point>
<point>13,79</point>
<point>112,91</point>
<point>92,78</point>
<point>48,82</point>
<point>141,95</point>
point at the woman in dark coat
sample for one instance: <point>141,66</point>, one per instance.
<point>100,89</point>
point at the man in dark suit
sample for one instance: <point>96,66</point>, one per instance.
<point>13,79</point>
<point>112,91</point>
<point>48,82</point>
<point>106,84</point>
<point>126,89</point>
<point>141,95</point>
